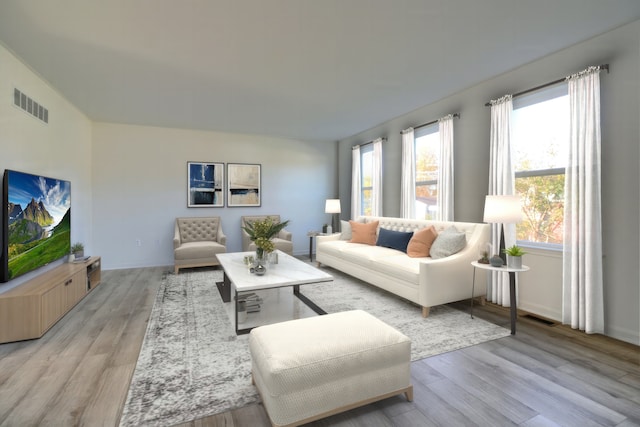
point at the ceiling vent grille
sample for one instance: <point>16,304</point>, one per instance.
<point>30,106</point>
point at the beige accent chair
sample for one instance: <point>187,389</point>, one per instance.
<point>282,241</point>
<point>197,241</point>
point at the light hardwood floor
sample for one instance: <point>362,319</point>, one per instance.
<point>79,373</point>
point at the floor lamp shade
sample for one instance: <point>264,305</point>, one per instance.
<point>332,206</point>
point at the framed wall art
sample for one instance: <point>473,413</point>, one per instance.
<point>205,185</point>
<point>243,185</point>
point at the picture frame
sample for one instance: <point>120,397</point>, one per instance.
<point>244,184</point>
<point>205,185</point>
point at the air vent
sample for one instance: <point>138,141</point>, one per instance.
<point>539,319</point>
<point>30,106</point>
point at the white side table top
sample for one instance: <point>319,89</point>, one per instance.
<point>504,268</point>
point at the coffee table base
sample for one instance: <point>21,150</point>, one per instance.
<point>224,288</point>
<point>296,291</point>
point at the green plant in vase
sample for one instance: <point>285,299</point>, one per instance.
<point>261,232</point>
<point>78,250</point>
<point>514,250</point>
<point>514,256</point>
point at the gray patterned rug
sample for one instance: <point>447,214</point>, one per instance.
<point>192,364</point>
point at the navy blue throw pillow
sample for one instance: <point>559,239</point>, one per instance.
<point>394,239</point>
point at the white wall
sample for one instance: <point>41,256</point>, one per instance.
<point>540,291</point>
<point>59,149</point>
<point>140,187</point>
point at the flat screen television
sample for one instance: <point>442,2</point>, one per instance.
<point>36,222</point>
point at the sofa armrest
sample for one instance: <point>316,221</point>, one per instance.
<point>176,237</point>
<point>448,279</point>
<point>328,238</point>
<point>285,235</point>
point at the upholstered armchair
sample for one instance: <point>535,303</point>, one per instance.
<point>282,241</point>
<point>196,242</point>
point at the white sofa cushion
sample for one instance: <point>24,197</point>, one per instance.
<point>384,260</point>
<point>400,266</point>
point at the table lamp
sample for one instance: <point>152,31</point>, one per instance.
<point>502,210</point>
<point>332,206</point>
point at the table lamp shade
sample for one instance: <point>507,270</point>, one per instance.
<point>502,209</point>
<point>332,206</point>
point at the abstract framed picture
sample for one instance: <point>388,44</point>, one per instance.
<point>243,185</point>
<point>205,185</point>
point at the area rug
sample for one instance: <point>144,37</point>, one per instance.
<point>192,365</point>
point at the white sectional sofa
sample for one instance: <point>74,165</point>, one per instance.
<point>425,281</point>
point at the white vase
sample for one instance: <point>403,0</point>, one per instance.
<point>514,261</point>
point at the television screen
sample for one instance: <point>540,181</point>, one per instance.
<point>36,221</point>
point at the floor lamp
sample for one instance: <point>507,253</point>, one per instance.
<point>332,206</point>
<point>502,210</point>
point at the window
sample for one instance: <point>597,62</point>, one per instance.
<point>366,179</point>
<point>427,161</point>
<point>540,140</point>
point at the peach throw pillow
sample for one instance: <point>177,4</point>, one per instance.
<point>363,233</point>
<point>421,242</point>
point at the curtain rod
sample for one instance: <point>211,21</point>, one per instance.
<point>524,92</point>
<point>353,147</point>
<point>432,122</point>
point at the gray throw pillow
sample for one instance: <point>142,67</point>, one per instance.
<point>345,228</point>
<point>448,242</point>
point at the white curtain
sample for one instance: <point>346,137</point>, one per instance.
<point>582,301</point>
<point>376,196</point>
<point>356,201</point>
<point>445,171</point>
<point>501,182</point>
<point>408,184</point>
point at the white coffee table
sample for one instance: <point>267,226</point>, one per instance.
<point>288,272</point>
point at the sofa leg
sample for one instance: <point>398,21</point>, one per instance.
<point>409,394</point>
<point>425,311</point>
<point>176,269</point>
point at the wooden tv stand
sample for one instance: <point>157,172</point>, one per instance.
<point>32,308</point>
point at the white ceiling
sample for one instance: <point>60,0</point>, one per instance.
<point>304,69</point>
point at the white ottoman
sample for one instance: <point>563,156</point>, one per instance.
<point>311,368</point>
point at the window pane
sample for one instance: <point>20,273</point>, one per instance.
<point>540,136</point>
<point>366,201</point>
<point>426,201</point>
<point>366,164</point>
<point>542,208</point>
<point>427,158</point>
